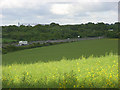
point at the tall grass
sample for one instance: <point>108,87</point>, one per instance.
<point>93,72</point>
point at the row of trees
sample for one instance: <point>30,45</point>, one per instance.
<point>56,31</point>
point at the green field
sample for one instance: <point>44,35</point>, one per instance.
<point>88,63</point>
<point>57,52</point>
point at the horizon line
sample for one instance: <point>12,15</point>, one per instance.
<point>55,23</point>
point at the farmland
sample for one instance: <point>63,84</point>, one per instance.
<point>87,63</point>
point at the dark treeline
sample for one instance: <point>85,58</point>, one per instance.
<point>55,31</point>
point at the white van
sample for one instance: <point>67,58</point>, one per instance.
<point>23,43</point>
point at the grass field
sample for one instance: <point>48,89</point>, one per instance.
<point>88,63</point>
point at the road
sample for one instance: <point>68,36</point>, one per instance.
<point>58,41</point>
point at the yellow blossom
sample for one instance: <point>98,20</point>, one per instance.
<point>78,70</point>
<point>110,76</point>
<point>74,85</point>
<point>114,61</point>
<point>27,73</point>
<point>82,86</point>
<point>9,66</point>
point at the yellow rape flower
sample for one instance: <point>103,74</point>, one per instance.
<point>114,61</point>
<point>77,63</point>
<point>27,73</point>
<point>82,86</point>
<point>53,76</point>
<point>110,76</point>
<point>59,83</point>
<point>74,86</point>
<point>88,72</point>
<point>78,70</point>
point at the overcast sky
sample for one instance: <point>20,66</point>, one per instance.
<point>62,11</point>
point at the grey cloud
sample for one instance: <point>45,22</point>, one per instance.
<point>43,10</point>
<point>30,15</point>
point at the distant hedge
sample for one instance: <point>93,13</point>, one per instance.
<point>12,48</point>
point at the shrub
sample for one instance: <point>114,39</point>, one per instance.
<point>4,51</point>
<point>11,48</point>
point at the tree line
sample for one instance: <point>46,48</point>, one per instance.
<point>54,31</point>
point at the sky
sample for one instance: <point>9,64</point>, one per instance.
<point>58,11</point>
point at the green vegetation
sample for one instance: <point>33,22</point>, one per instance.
<point>93,72</point>
<point>55,31</point>
<point>73,50</point>
<point>85,64</point>
<point>12,48</point>
<point>6,40</point>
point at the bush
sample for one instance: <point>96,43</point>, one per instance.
<point>11,48</point>
<point>4,51</point>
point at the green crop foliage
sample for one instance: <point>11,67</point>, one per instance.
<point>92,72</point>
<point>84,64</point>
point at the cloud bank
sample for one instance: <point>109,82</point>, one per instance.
<point>62,12</point>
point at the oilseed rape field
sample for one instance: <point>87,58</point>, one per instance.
<point>83,64</point>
